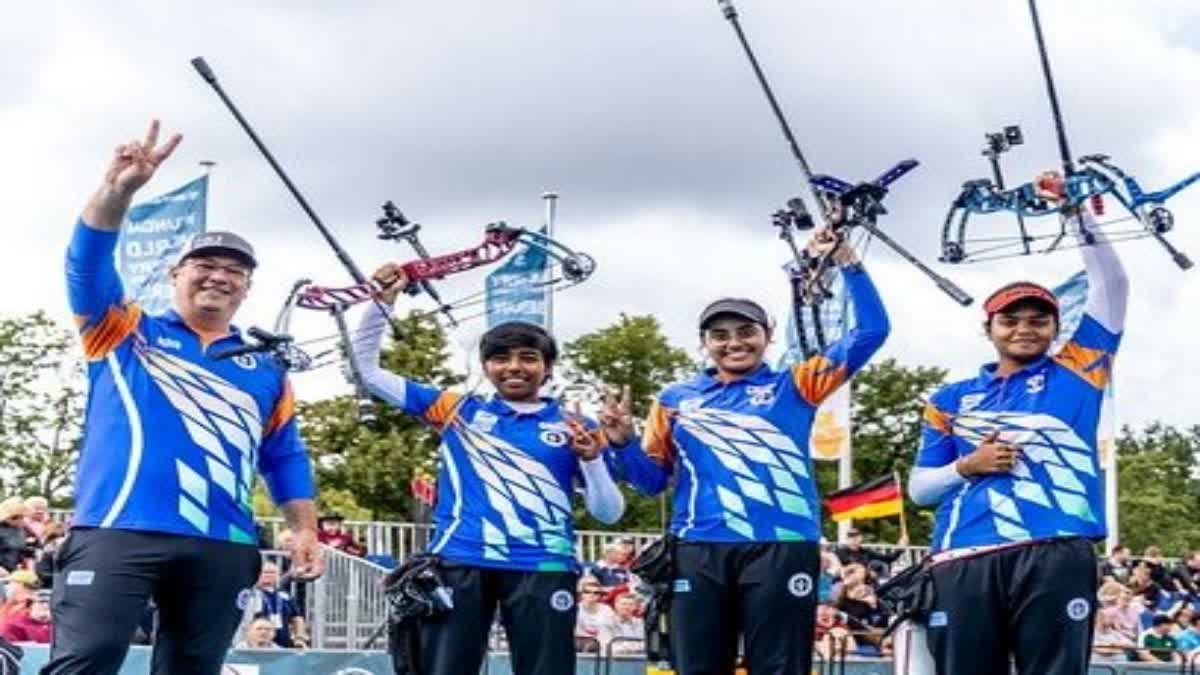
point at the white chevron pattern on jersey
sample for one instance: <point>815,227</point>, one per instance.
<point>516,486</point>
<point>212,409</point>
<point>1046,441</point>
<point>740,441</point>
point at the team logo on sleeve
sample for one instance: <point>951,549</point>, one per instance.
<point>800,584</point>
<point>562,600</point>
<point>763,394</point>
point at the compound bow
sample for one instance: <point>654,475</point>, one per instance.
<point>499,240</point>
<point>851,207</point>
<point>1095,177</point>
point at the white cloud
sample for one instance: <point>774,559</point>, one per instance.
<point>644,115</point>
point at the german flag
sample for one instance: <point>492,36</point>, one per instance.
<point>873,499</point>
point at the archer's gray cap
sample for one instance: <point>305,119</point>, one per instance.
<point>220,243</point>
<point>747,309</point>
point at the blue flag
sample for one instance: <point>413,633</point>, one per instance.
<point>518,290</point>
<point>836,319</point>
<point>152,237</point>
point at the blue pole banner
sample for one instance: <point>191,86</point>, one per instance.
<point>152,236</point>
<point>518,291</point>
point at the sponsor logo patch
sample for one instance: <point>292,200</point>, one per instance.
<point>554,437</point>
<point>81,578</point>
<point>938,619</point>
<point>682,586</point>
<point>800,584</point>
<point>763,394</point>
<point>562,600</point>
<point>970,402</point>
<point>1078,609</point>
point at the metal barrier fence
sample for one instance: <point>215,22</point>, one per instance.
<point>346,607</point>
<point>401,539</point>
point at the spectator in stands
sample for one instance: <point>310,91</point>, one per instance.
<point>31,624</point>
<point>1110,642</point>
<point>832,634</point>
<point>1187,575</point>
<point>613,569</point>
<point>1188,640</point>
<point>18,592</point>
<point>14,547</point>
<point>628,626</point>
<point>1159,574</point>
<point>829,569</point>
<point>52,538</point>
<point>855,552</point>
<point>1123,610</point>
<point>334,534</point>
<point>266,601</point>
<point>596,621</point>
<point>1158,638</point>
<point>1118,565</point>
<point>1141,582</point>
<point>259,634</point>
<point>298,629</point>
<point>37,516</point>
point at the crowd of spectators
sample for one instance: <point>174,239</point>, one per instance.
<point>1149,609</point>
<point>29,537</point>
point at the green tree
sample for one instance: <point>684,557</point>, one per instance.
<point>41,407</point>
<point>886,408</point>
<point>374,463</point>
<point>634,353</point>
<point>1158,490</point>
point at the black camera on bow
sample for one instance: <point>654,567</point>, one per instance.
<point>1003,140</point>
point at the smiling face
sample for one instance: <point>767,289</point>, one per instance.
<point>735,345</point>
<point>517,373</point>
<point>210,288</point>
<point>1023,331</point>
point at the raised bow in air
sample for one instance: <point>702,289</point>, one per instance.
<point>1095,177</point>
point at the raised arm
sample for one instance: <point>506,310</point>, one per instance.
<point>821,375</point>
<point>648,465</point>
<point>94,288</point>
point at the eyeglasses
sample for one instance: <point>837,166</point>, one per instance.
<point>207,268</point>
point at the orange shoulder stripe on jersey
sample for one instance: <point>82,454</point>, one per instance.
<point>439,412</point>
<point>656,439</point>
<point>118,323</point>
<point>937,419</point>
<point>1089,364</point>
<point>285,410</point>
<point>817,378</point>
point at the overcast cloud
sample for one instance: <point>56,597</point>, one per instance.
<point>643,114</point>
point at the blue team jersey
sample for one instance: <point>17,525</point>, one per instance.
<point>1050,409</point>
<point>739,449</point>
<point>172,436</point>
<point>505,481</point>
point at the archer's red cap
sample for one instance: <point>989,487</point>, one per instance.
<point>1021,290</point>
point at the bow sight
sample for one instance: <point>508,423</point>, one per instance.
<point>849,206</point>
<point>1095,177</point>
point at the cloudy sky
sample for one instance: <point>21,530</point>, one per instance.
<point>642,114</point>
